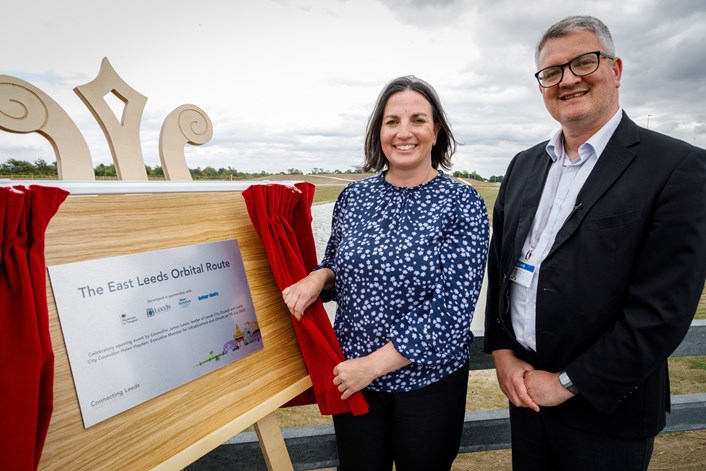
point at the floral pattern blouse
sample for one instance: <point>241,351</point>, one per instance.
<point>409,266</point>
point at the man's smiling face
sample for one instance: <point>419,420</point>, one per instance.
<point>584,103</point>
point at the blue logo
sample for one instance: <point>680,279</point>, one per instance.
<point>153,311</point>
<point>201,297</point>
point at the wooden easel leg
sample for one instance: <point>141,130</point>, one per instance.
<point>272,444</point>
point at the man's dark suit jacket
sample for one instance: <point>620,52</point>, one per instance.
<point>621,283</point>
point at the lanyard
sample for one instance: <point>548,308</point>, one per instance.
<point>554,180</point>
<point>536,232</point>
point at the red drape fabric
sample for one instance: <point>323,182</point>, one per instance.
<point>26,356</point>
<point>281,216</point>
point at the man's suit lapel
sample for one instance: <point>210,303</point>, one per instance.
<point>610,166</point>
<point>531,196</point>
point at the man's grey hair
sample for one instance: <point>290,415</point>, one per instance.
<point>574,24</point>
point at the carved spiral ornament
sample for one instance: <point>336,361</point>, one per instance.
<point>21,110</point>
<point>195,125</point>
<point>185,124</point>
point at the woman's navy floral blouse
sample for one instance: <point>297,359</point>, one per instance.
<point>409,265</point>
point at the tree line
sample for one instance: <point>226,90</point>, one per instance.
<point>41,169</point>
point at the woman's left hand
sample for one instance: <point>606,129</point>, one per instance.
<point>353,375</point>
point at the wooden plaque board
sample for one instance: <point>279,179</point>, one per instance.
<point>176,428</point>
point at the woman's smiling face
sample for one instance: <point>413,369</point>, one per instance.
<point>408,132</point>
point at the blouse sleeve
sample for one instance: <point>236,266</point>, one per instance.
<point>329,260</point>
<point>439,328</point>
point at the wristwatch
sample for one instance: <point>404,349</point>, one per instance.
<point>567,383</point>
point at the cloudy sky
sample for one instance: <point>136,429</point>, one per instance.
<point>291,83</point>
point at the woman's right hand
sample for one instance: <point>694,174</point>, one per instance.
<point>301,294</point>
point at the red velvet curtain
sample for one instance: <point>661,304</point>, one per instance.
<point>282,218</point>
<point>26,356</point>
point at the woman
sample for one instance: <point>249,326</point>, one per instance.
<point>405,263</point>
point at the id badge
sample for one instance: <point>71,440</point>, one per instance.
<point>522,273</point>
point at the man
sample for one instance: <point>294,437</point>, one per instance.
<point>596,267</point>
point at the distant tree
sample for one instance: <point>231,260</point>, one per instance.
<point>17,167</point>
<point>474,175</point>
<point>229,173</point>
<point>465,174</point>
<point>44,168</point>
<point>210,172</point>
<point>156,172</point>
<point>294,171</point>
<point>102,170</point>
<point>496,179</point>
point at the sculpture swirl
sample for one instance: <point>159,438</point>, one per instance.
<point>21,110</point>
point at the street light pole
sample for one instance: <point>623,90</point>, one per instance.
<point>648,121</point>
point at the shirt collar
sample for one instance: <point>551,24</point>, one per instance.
<point>595,144</point>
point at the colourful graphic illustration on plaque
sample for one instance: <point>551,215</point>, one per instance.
<point>241,338</point>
